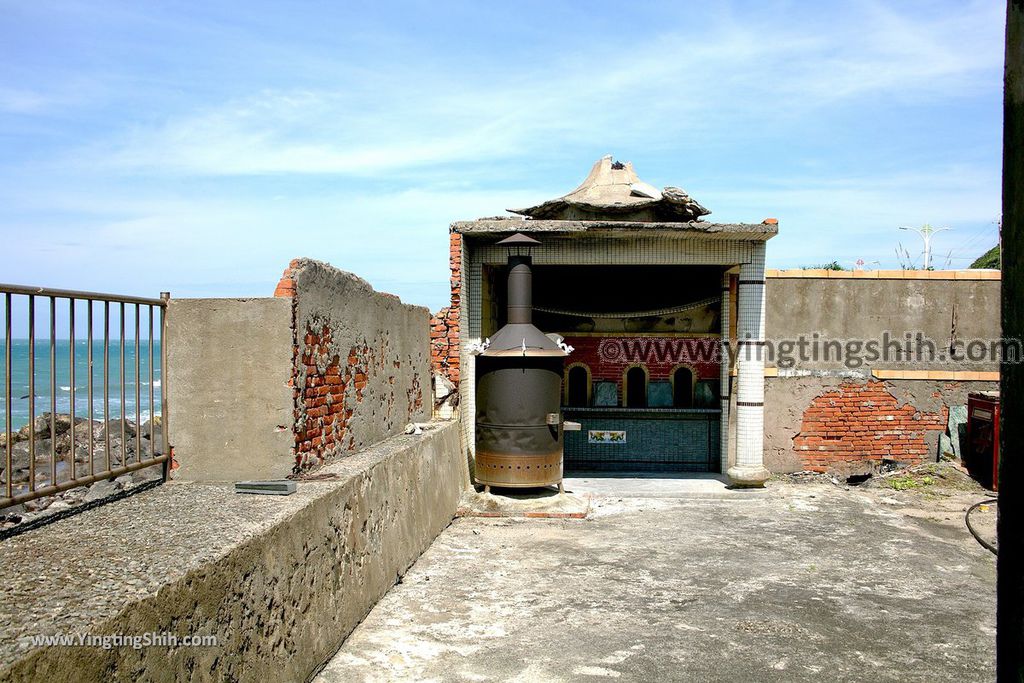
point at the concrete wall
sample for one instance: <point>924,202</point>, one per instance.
<point>847,418</point>
<point>280,581</point>
<point>860,309</point>
<point>267,388</point>
<point>230,403</point>
<point>362,369</point>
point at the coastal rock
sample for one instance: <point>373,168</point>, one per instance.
<point>153,425</point>
<point>102,489</point>
<point>74,443</point>
<point>39,504</point>
<point>113,427</point>
<point>41,426</point>
<point>148,474</point>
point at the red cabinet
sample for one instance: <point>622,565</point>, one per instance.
<point>982,453</point>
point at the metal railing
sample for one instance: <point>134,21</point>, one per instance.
<point>117,456</point>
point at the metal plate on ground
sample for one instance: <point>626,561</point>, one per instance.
<point>282,487</point>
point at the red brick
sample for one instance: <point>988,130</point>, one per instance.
<point>852,425</point>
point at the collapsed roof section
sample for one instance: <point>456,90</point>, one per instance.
<point>612,191</point>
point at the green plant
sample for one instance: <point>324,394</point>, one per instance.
<point>902,483</point>
<point>909,482</point>
<point>833,265</point>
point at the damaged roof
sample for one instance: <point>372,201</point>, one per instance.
<point>613,191</point>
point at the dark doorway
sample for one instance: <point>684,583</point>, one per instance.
<point>577,387</point>
<point>682,388</point>
<point>636,388</point>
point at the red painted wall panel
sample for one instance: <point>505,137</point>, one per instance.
<point>609,356</point>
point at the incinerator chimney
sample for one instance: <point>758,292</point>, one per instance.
<point>518,390</point>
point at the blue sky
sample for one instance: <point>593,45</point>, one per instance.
<point>198,147</point>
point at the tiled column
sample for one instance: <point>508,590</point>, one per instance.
<point>469,332</point>
<point>724,375</point>
<point>749,469</point>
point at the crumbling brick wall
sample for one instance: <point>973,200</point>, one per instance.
<point>444,326</point>
<point>857,426</point>
<point>361,362</point>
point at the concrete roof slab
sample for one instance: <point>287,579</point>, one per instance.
<point>690,230</point>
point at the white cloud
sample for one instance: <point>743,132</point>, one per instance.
<point>176,200</point>
<point>398,116</point>
<point>858,217</point>
<point>229,247</point>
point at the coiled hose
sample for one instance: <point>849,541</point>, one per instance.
<point>967,518</point>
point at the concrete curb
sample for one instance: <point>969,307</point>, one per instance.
<point>280,583</point>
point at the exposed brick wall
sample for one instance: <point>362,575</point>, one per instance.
<point>286,286</point>
<point>321,405</point>
<point>359,357</point>
<point>857,426</point>
<point>327,389</point>
<point>444,326</point>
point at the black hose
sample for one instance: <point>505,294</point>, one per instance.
<point>967,518</point>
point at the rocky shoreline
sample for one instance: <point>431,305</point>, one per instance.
<point>146,440</point>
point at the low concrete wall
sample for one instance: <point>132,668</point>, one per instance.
<point>267,388</point>
<point>229,364</point>
<point>281,581</point>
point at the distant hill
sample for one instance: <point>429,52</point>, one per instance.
<point>990,259</point>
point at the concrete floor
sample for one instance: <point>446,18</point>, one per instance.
<point>804,582</point>
<point>648,485</point>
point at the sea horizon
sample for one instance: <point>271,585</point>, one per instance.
<point>113,408</point>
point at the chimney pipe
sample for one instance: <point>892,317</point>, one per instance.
<point>520,289</point>
<point>518,336</point>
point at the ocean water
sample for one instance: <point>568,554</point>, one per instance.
<point>44,400</point>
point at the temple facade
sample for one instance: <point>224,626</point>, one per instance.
<point>664,313</point>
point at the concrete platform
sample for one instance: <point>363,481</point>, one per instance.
<point>584,487</point>
<point>704,485</point>
<point>539,502</point>
<point>805,583</point>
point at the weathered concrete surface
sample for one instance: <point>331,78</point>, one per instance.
<point>806,583</point>
<point>279,580</point>
<point>540,502</point>
<point>379,348</point>
<point>229,362</point>
<point>624,229</point>
<point>864,309</point>
<point>703,485</point>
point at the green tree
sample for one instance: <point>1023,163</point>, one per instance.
<point>990,259</point>
<point>834,265</point>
